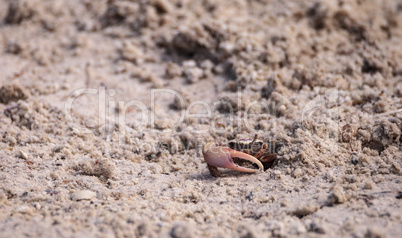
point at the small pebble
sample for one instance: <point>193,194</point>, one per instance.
<point>368,185</point>
<point>37,206</point>
<point>277,172</point>
<point>23,155</point>
<point>83,195</point>
<point>297,172</point>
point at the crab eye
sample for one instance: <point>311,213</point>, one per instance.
<point>259,144</point>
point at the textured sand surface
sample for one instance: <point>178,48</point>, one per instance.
<point>322,78</point>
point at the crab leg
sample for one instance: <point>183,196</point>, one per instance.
<point>220,156</point>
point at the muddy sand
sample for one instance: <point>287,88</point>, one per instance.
<point>105,107</point>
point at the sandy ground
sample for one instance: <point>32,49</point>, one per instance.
<point>105,107</point>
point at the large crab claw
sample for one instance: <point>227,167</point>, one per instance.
<point>220,156</point>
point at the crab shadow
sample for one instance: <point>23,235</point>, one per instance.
<point>206,176</point>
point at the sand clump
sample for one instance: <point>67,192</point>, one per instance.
<point>102,169</point>
<point>13,92</point>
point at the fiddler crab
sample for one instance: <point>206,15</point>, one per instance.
<point>238,153</point>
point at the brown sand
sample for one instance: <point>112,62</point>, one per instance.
<point>324,78</point>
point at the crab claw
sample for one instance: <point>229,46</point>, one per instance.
<point>220,156</point>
